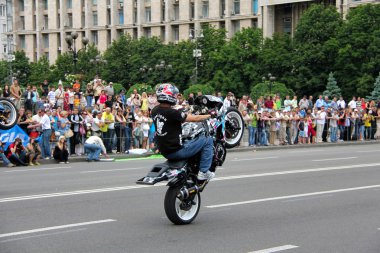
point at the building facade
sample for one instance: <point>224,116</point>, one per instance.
<point>39,27</point>
<point>3,30</point>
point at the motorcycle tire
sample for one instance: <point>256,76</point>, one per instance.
<point>173,209</point>
<point>234,129</point>
<point>13,114</point>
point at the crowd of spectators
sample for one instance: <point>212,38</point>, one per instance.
<point>63,118</point>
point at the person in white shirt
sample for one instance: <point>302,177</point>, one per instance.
<point>97,124</point>
<point>352,103</point>
<point>341,103</point>
<point>59,94</point>
<point>321,120</point>
<point>51,97</point>
<point>288,104</point>
<point>93,147</point>
<point>45,125</point>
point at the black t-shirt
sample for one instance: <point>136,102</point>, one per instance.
<point>130,119</point>
<point>167,122</point>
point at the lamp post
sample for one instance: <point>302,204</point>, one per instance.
<point>197,53</point>
<point>162,67</point>
<point>70,40</point>
<point>97,62</point>
<point>144,70</point>
<point>271,80</point>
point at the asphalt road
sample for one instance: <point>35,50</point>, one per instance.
<point>296,200</point>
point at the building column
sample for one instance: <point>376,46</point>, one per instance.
<point>268,20</point>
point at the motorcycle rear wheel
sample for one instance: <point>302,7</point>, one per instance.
<point>11,120</point>
<point>174,210</point>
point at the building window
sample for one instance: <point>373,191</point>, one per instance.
<point>255,6</point>
<point>22,41</point>
<point>46,4</point>
<point>204,9</point>
<point>45,38</point>
<point>95,18</point>
<point>135,15</point>
<point>236,9</point>
<point>69,4</point>
<point>148,15</point>
<point>3,10</point>
<point>176,12</point>
<point>58,4</point>
<point>222,8</point>
<point>69,20</point>
<point>46,22</point>
<point>21,5</point>
<point>236,26</point>
<point>22,21</point>
<point>148,32</point>
<point>192,10</point>
<point>59,21</point>
<point>121,17</point>
<point>163,12</point>
<point>4,49</point>
<point>287,25</point>
<point>108,16</point>
<point>94,37</point>
<point>83,19</point>
<point>175,33</point>
<point>94,2</point>
<point>4,28</point>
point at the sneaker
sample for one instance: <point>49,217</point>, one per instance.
<point>31,164</point>
<point>206,175</point>
<point>11,165</point>
<point>127,152</point>
<point>67,162</point>
<point>47,158</point>
<point>37,163</point>
<point>61,162</point>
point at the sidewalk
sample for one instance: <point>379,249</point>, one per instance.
<point>75,159</point>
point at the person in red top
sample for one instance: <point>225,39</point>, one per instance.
<point>269,103</point>
<point>17,153</point>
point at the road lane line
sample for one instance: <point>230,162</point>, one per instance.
<point>42,235</point>
<point>122,188</point>
<point>252,159</point>
<point>307,198</point>
<point>295,196</point>
<point>368,151</point>
<point>55,228</point>
<point>97,171</point>
<point>307,151</point>
<point>275,249</point>
<point>335,159</point>
<point>55,168</point>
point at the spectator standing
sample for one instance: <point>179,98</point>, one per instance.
<point>304,103</point>
<point>120,123</point>
<point>341,103</point>
<point>102,100</point>
<point>60,94</point>
<point>268,104</point>
<point>61,153</point>
<point>334,104</point>
<point>191,99</point>
<point>333,126</point>
<point>28,97</point>
<point>130,118</point>
<point>311,105</point>
<point>98,87</point>
<point>45,124</point>
<point>76,120</point>
<point>288,103</point>
<point>319,102</point>
<point>352,103</point>
<point>89,95</point>
<point>44,88</point>
<point>152,101</point>
<point>321,120</point>
<point>6,91</point>
<point>108,132</point>
<point>341,124</point>
<point>294,102</point>
<point>16,94</point>
<point>110,91</point>
<point>146,121</point>
<point>252,128</point>
<point>97,124</point>
<point>35,99</point>
<point>71,94</point>
<point>51,97</point>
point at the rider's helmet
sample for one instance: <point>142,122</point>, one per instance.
<point>167,93</point>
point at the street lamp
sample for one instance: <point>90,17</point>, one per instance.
<point>70,40</point>
<point>97,62</point>
<point>271,80</point>
<point>144,70</point>
<point>162,67</point>
<point>194,36</point>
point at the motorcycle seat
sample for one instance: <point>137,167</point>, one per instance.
<point>176,164</point>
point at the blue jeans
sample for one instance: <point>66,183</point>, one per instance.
<point>93,151</point>
<point>128,135</point>
<point>341,132</point>
<point>263,137</point>
<point>5,159</point>
<point>333,134</point>
<point>46,143</point>
<point>89,101</point>
<point>202,144</point>
<point>251,135</point>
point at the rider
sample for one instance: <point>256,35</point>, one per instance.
<point>168,122</point>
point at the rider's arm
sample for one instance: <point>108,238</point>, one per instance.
<point>196,118</point>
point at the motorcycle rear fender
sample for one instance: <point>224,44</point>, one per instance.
<point>155,175</point>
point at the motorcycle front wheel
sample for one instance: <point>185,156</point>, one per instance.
<point>181,212</point>
<point>9,116</point>
<point>234,127</point>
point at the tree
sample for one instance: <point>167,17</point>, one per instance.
<point>375,94</point>
<point>40,70</point>
<point>332,89</point>
<point>205,89</point>
<point>316,48</point>
<point>263,89</point>
<point>21,67</point>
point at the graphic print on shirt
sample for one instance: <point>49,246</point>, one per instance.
<point>160,122</point>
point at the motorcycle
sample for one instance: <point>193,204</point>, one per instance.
<point>8,114</point>
<point>182,199</point>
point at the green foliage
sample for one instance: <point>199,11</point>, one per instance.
<point>140,87</point>
<point>21,67</point>
<point>332,89</point>
<point>40,71</point>
<point>4,72</point>
<point>375,94</point>
<point>263,89</point>
<point>205,89</point>
<point>118,88</point>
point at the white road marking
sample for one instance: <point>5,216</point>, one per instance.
<point>307,198</point>
<point>55,168</point>
<point>55,228</point>
<point>275,249</point>
<point>335,159</point>
<point>252,159</point>
<point>42,235</point>
<point>368,151</point>
<point>307,151</point>
<point>295,196</point>
<point>122,188</point>
<point>97,171</point>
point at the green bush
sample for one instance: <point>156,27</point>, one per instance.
<point>205,89</point>
<point>263,89</point>
<point>118,87</point>
<point>140,87</point>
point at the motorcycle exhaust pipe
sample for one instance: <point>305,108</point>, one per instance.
<point>187,192</point>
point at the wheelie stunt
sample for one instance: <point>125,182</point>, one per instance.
<point>194,142</point>
<point>8,114</point>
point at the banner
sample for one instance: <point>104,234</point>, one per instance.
<point>8,136</point>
